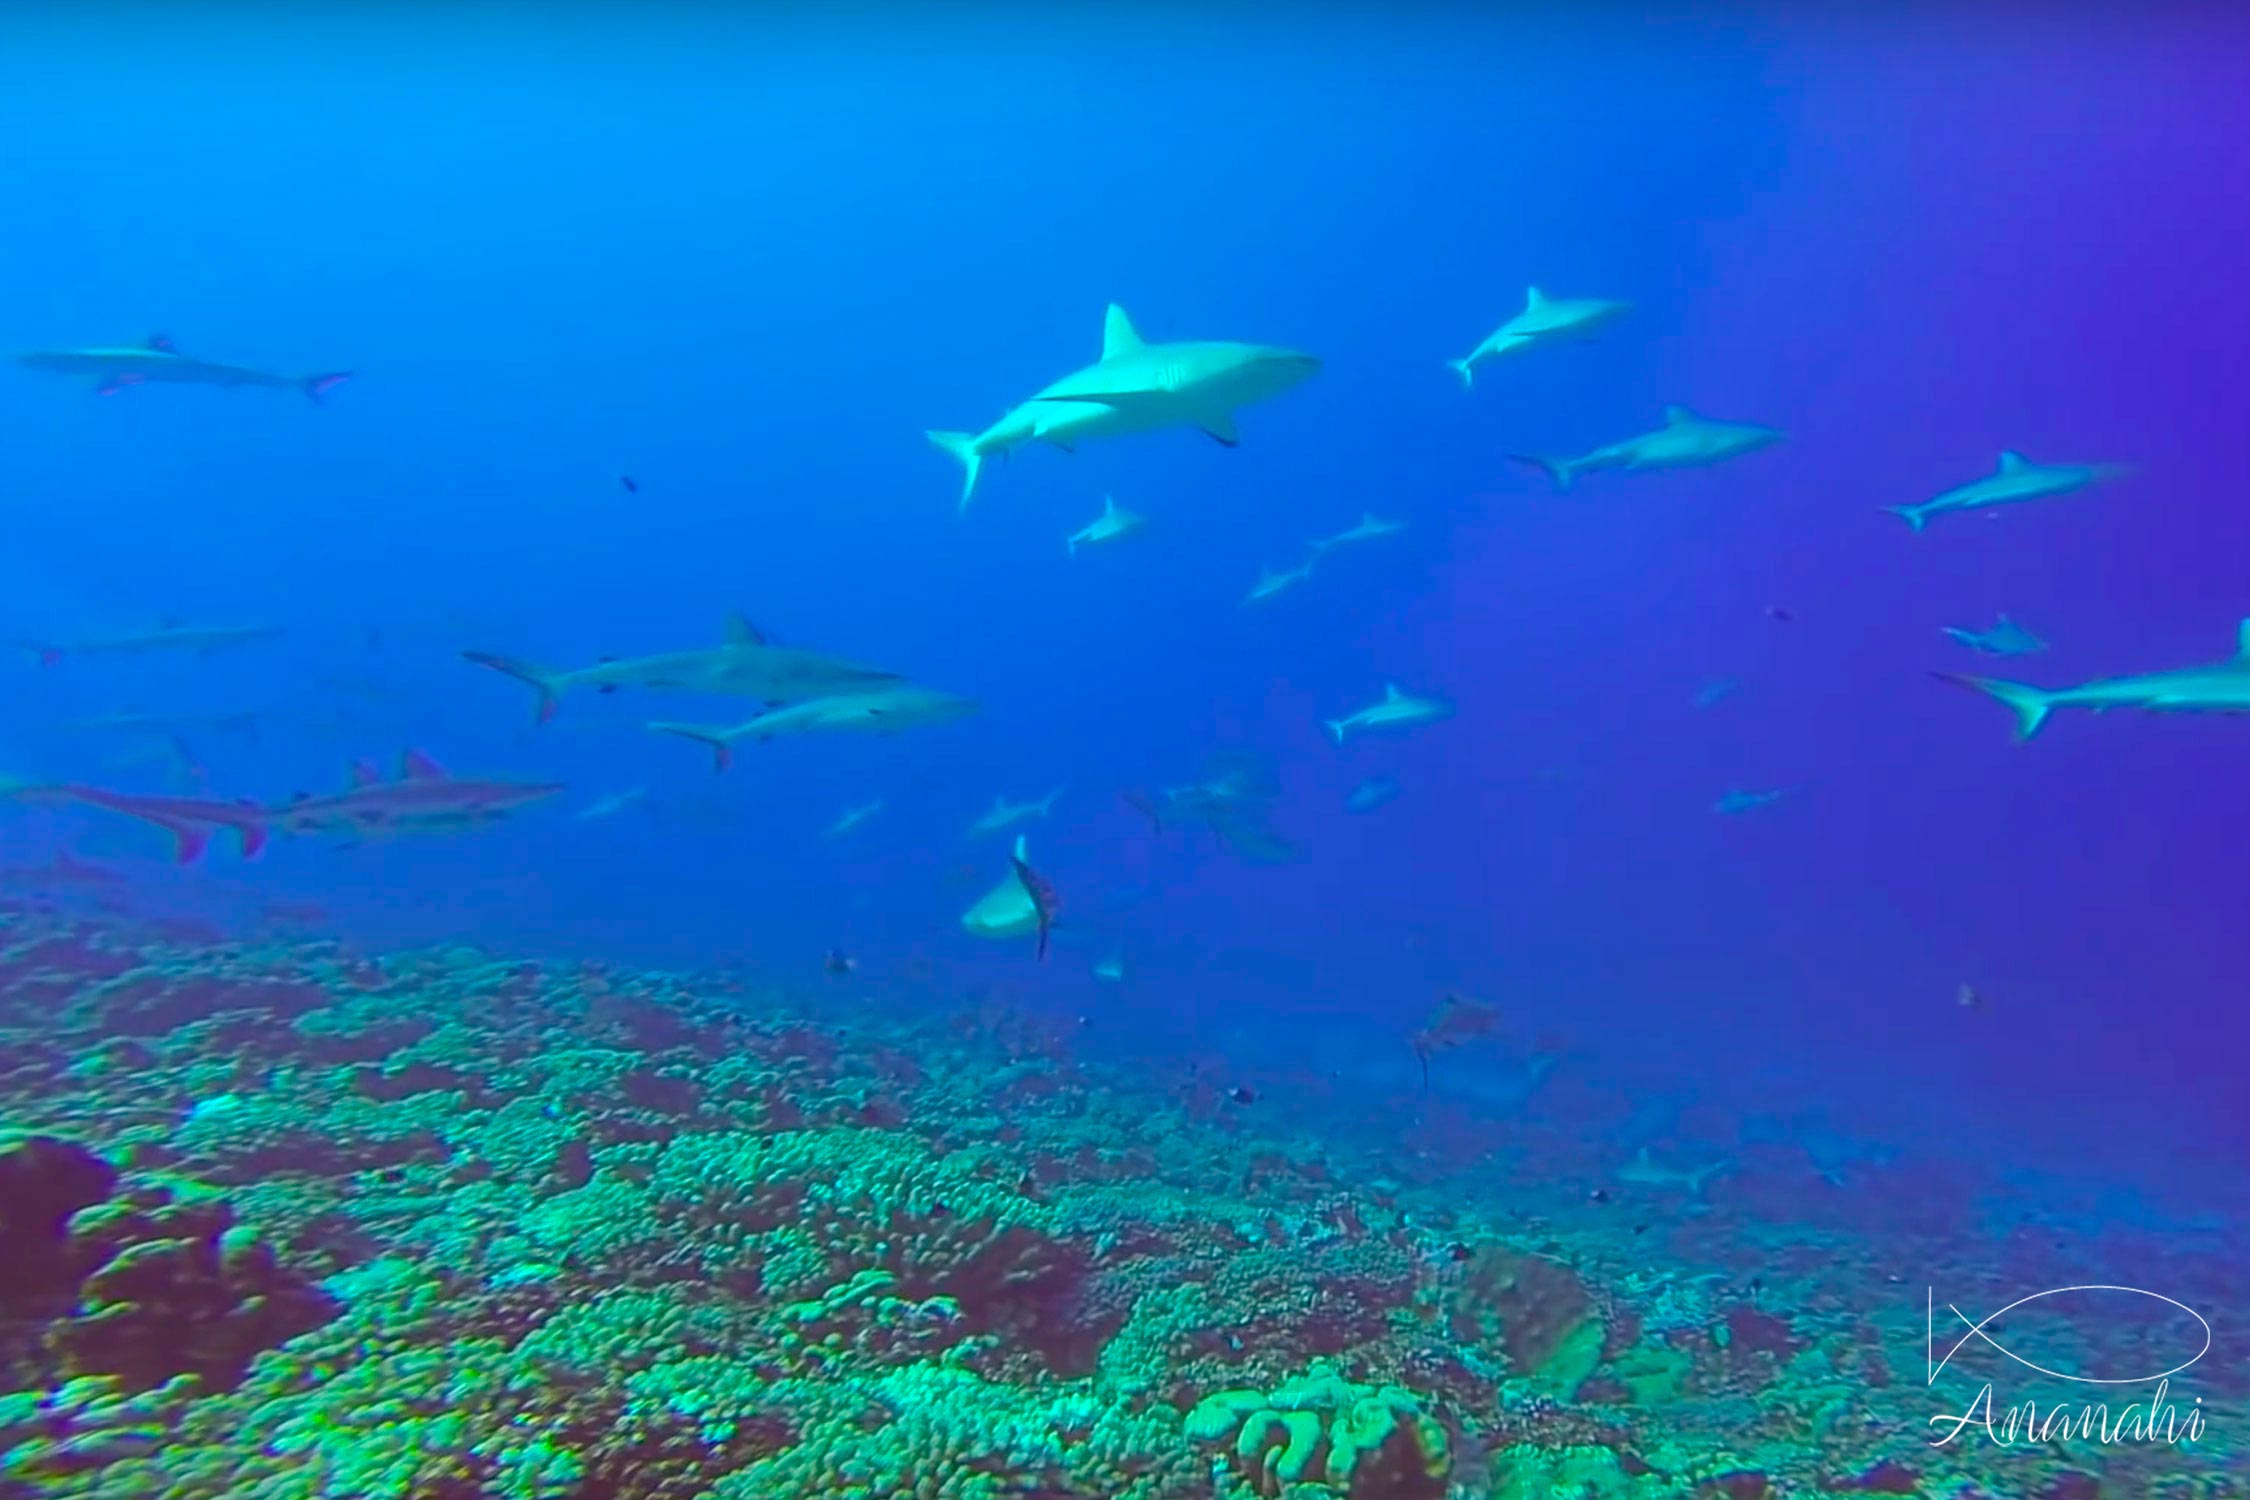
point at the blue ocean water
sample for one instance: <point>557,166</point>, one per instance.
<point>746,260</point>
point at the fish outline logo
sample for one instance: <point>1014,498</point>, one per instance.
<point>1977,1330</point>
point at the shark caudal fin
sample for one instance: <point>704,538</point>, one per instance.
<point>1912,514</point>
<point>1335,728</point>
<point>722,752</point>
<point>1466,369</point>
<point>2031,705</point>
<point>963,446</point>
<point>1558,470</point>
<point>521,672</point>
<point>317,386</point>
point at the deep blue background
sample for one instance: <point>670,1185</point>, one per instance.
<point>748,260</point>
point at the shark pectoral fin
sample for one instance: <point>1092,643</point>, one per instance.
<point>1220,429</point>
<point>2242,641</point>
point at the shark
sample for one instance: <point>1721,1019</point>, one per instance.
<point>1272,581</point>
<point>1111,525</point>
<point>1544,320</point>
<point>851,817</point>
<point>887,710</point>
<point>2005,638</point>
<point>1394,710</point>
<point>169,635</point>
<point>1234,800</point>
<point>1136,386</point>
<point>1005,814</point>
<point>1372,793</point>
<point>1369,527</point>
<point>2015,480</point>
<point>1685,441</point>
<point>745,665</point>
<point>1645,1171</point>
<point>1734,803</point>
<point>156,360</point>
<point>1717,691</point>
<point>1009,909</point>
<point>613,803</point>
<point>190,820</point>
<point>2220,688</point>
<point>424,797</point>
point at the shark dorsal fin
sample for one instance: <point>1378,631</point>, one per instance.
<point>416,766</point>
<point>740,632</point>
<point>2012,462</point>
<point>1532,297</point>
<point>1675,415</point>
<point>161,343</point>
<point>1119,337</point>
<point>1391,694</point>
<point>2242,641</point>
<point>1109,505</point>
<point>363,774</point>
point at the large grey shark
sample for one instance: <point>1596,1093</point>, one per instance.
<point>1272,581</point>
<point>1004,814</point>
<point>1685,441</point>
<point>880,710</point>
<point>423,798</point>
<point>746,665</point>
<point>1136,386</point>
<point>2220,688</point>
<point>158,361</point>
<point>1544,320</point>
<point>2014,481</point>
<point>169,635</point>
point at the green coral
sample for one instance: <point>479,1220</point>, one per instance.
<point>1319,1433</point>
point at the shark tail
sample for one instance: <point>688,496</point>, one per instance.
<point>722,753</point>
<point>521,672</point>
<point>317,386</point>
<point>253,830</point>
<point>1335,728</point>
<point>1466,369</point>
<point>1912,514</point>
<point>2031,705</point>
<point>1558,470</point>
<point>963,446</point>
<point>1070,545</point>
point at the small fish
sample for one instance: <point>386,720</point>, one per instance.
<point>1599,1195</point>
<point>1242,1093</point>
<point>1781,614</point>
<point>632,485</point>
<point>2005,638</point>
<point>1968,997</point>
<point>839,963</point>
<point>1733,804</point>
<point>1717,691</point>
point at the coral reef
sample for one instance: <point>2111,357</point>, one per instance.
<point>282,1223</point>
